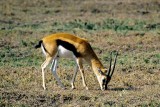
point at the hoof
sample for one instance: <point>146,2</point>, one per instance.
<point>64,88</point>
<point>86,88</point>
<point>44,87</point>
<point>73,88</point>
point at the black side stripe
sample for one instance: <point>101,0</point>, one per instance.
<point>68,46</point>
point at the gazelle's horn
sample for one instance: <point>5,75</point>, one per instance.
<point>110,64</point>
<point>115,60</point>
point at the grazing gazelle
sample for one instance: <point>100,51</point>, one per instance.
<point>63,44</point>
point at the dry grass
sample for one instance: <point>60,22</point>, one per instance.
<point>132,27</point>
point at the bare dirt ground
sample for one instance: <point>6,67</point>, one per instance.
<point>131,27</point>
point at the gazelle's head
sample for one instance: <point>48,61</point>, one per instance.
<point>104,79</point>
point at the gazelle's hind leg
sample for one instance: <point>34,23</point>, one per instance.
<point>43,66</point>
<point>54,71</point>
<point>79,63</point>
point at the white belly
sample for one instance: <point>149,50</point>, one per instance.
<point>62,52</point>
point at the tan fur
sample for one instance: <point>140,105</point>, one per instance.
<point>82,46</point>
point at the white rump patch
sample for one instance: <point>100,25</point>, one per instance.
<point>43,50</point>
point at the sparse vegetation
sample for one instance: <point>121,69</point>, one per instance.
<point>132,27</point>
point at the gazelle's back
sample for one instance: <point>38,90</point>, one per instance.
<point>78,46</point>
<point>64,37</point>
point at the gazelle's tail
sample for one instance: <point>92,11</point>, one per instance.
<point>39,44</point>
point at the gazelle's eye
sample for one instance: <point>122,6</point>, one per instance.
<point>104,81</point>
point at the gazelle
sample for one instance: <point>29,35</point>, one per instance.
<point>63,44</point>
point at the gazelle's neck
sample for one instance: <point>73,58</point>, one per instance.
<point>95,63</point>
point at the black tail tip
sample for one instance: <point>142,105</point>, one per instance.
<point>38,45</point>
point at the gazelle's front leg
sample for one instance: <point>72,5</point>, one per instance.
<point>74,76</point>
<point>79,63</point>
<point>54,71</point>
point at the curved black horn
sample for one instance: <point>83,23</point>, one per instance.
<point>115,60</point>
<point>110,64</point>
